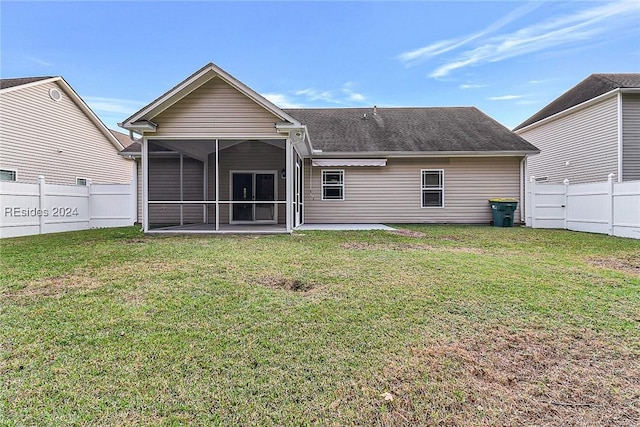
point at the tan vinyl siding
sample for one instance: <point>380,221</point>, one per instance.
<point>215,109</point>
<point>247,156</point>
<point>630,137</point>
<point>55,139</point>
<point>164,184</point>
<point>587,139</point>
<point>392,194</point>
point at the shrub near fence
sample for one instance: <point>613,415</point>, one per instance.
<point>27,209</point>
<point>600,207</point>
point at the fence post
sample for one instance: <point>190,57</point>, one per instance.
<point>42,202</point>
<point>532,185</point>
<point>565,211</point>
<point>610,201</point>
<point>89,202</point>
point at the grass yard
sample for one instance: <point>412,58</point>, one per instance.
<point>438,325</point>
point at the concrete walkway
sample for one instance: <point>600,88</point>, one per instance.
<point>343,227</point>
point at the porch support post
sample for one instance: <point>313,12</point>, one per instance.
<point>205,190</point>
<point>145,184</point>
<point>288,181</point>
<point>181,190</point>
<point>217,185</point>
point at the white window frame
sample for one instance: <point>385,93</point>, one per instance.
<point>86,180</point>
<point>424,188</point>
<point>323,184</point>
<point>15,174</point>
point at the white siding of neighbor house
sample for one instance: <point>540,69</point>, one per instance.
<point>630,137</point>
<point>587,139</point>
<point>56,139</point>
<point>392,193</point>
<point>215,109</point>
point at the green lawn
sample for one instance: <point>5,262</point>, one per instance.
<point>440,326</point>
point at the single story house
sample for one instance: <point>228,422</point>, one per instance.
<point>589,132</point>
<point>47,129</point>
<point>218,157</point>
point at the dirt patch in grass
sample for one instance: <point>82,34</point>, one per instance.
<point>283,283</point>
<point>627,264</point>
<point>364,246</point>
<point>85,279</point>
<point>55,286</point>
<point>531,377</point>
<point>408,233</point>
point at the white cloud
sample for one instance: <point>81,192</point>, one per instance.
<point>471,86</point>
<point>281,100</point>
<point>113,105</point>
<point>554,32</point>
<point>39,61</point>
<point>505,97</point>
<point>443,46</point>
<point>344,95</point>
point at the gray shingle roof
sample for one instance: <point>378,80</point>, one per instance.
<point>445,129</point>
<point>591,87</point>
<point>123,138</point>
<point>7,83</point>
<point>133,148</point>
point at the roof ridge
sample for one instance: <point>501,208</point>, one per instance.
<point>602,76</point>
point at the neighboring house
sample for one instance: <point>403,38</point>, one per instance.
<point>47,129</point>
<point>589,132</point>
<point>218,157</point>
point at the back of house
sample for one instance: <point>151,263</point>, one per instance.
<point>215,156</point>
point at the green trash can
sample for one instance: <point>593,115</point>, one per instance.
<point>503,210</point>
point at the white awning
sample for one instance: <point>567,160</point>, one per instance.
<point>348,162</point>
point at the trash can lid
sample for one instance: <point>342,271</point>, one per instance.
<point>504,200</point>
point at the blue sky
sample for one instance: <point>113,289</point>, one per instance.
<point>508,58</point>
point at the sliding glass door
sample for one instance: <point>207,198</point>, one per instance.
<point>253,187</point>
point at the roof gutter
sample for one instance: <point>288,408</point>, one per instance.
<point>575,108</point>
<point>410,154</point>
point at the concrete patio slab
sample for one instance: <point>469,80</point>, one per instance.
<point>343,227</point>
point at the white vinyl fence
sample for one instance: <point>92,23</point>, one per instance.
<point>27,209</point>
<point>601,207</point>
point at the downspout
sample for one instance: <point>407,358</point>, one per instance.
<point>620,171</point>
<point>522,189</point>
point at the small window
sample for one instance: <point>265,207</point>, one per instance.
<point>81,181</point>
<point>332,185</point>
<point>8,175</point>
<point>433,188</point>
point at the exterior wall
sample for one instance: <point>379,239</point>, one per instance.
<point>587,139</point>
<point>248,156</point>
<point>630,137</point>
<point>392,194</point>
<point>56,139</point>
<point>164,184</point>
<point>215,109</point>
